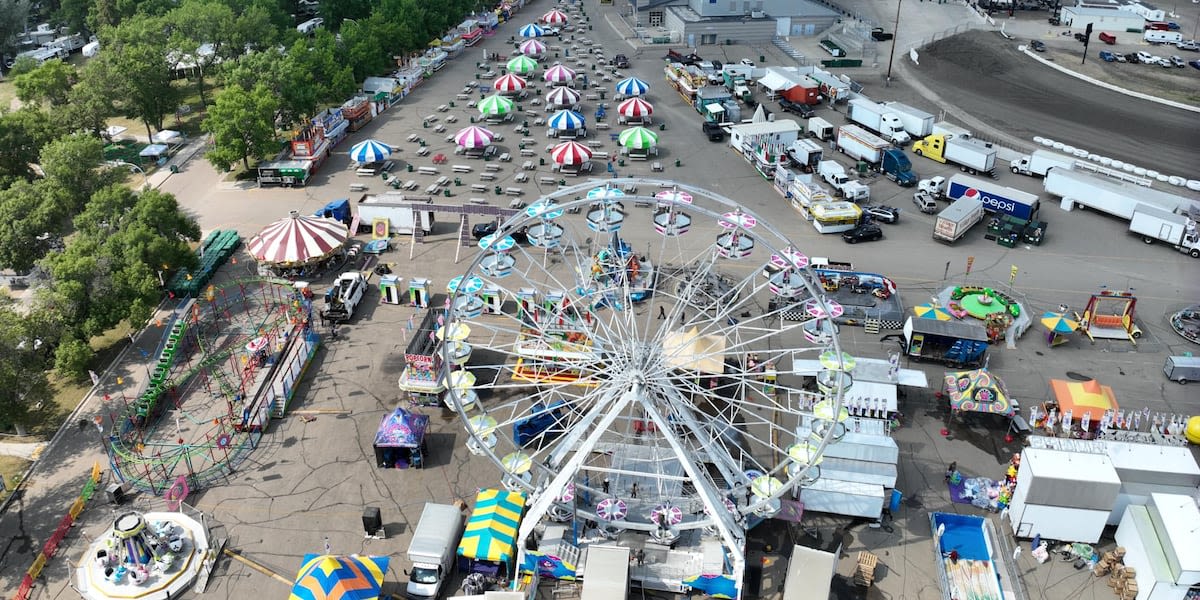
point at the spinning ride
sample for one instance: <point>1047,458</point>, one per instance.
<point>638,376</point>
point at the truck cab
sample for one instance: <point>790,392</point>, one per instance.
<point>713,130</point>
<point>843,185</point>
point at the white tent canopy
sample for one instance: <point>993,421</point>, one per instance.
<point>809,575</point>
<point>695,352</point>
<point>774,81</point>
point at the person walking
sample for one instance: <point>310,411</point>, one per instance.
<point>662,312</point>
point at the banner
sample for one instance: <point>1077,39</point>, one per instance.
<point>1012,276</point>
<point>970,262</point>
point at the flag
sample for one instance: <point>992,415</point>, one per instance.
<point>970,261</point>
<point>1012,275</point>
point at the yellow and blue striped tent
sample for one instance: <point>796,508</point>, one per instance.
<point>328,577</point>
<point>491,532</point>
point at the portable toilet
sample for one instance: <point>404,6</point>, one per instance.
<point>389,289</point>
<point>493,301</point>
<point>418,292</point>
<point>527,305</point>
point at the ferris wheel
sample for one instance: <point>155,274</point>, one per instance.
<point>629,364</point>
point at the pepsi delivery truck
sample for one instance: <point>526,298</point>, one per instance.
<point>996,198</point>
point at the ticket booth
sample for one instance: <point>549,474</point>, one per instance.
<point>418,292</point>
<point>389,289</point>
<point>493,299</point>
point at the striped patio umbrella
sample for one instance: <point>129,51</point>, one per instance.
<point>559,74</point>
<point>509,83</point>
<point>532,30</point>
<point>635,108</point>
<point>931,311</point>
<point>570,153</point>
<point>555,17</point>
<point>532,47</point>
<point>474,137</point>
<point>521,65</point>
<point>495,105</point>
<point>370,151</point>
<point>638,137</point>
<point>1059,323</point>
<point>562,96</point>
<point>297,239</point>
<point>564,120</point>
<point>632,86</point>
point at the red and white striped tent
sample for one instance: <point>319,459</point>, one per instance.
<point>555,17</point>
<point>635,108</point>
<point>570,153</point>
<point>298,240</point>
<point>509,84</point>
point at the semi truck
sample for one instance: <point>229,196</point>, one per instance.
<point>876,118</point>
<point>835,175</point>
<point>805,153</point>
<point>860,144</point>
<point>432,550</point>
<point>1155,225</point>
<point>996,198</point>
<point>957,219</point>
<point>1040,162</point>
<point>970,155</point>
<point>917,123</point>
<point>1117,198</point>
<point>954,343</point>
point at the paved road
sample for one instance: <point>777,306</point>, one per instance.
<point>311,479</point>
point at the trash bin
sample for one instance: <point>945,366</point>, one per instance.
<point>499,191</point>
<point>762,59</point>
<point>174,168</point>
<point>542,162</point>
<point>410,168</point>
<point>425,124</point>
<point>447,192</point>
<point>457,182</point>
<point>678,163</point>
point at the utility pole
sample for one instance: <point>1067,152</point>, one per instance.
<point>895,36</point>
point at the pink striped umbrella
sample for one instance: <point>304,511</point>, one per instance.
<point>509,83</point>
<point>532,47</point>
<point>474,137</point>
<point>298,239</point>
<point>570,153</point>
<point>635,108</point>
<point>555,17</point>
<point>562,96</point>
<point>559,74</point>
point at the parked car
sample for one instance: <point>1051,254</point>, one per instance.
<point>879,35</point>
<point>620,61</point>
<point>1119,57</point>
<point>1147,58</point>
<point>1081,37</point>
<point>1178,62</point>
<point>925,202</point>
<point>1038,45</point>
<point>1172,26</point>
<point>480,230</point>
<point>803,111</point>
<point>883,213</point>
<point>867,232</point>
<point>1194,63</point>
<point>1165,62</point>
<point>747,62</point>
<point>1189,45</point>
<point>1133,58</point>
<point>1107,56</point>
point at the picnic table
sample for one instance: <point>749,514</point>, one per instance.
<point>439,159</point>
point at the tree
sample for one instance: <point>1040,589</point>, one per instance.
<point>50,82</point>
<point>196,24</point>
<point>13,16</point>
<point>90,101</point>
<point>22,134</point>
<point>242,125</point>
<point>28,212</point>
<point>20,361</point>
<point>73,163</point>
<point>136,51</point>
<point>74,14</point>
<point>335,13</point>
<point>315,74</point>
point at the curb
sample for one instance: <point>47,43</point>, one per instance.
<point>1109,86</point>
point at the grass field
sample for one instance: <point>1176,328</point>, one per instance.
<point>12,469</point>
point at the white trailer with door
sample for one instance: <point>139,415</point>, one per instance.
<point>1160,545</point>
<point>1117,198</point>
<point>1156,225</point>
<point>917,123</point>
<point>1063,495</point>
<point>399,211</point>
<point>1040,162</point>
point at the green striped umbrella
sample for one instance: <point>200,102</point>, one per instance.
<point>638,137</point>
<point>495,105</point>
<point>521,65</point>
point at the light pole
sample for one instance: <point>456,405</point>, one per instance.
<point>895,36</point>
<point>135,168</point>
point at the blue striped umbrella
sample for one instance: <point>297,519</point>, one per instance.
<point>532,30</point>
<point>370,151</point>
<point>564,120</point>
<point>632,87</point>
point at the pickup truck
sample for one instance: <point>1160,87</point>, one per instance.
<point>803,111</point>
<point>843,185</point>
<point>714,131</point>
<point>620,61</point>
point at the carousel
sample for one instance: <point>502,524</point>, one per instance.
<point>298,246</point>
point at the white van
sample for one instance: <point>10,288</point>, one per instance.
<point>310,26</point>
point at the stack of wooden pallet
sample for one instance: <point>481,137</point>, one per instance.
<point>1123,582</point>
<point>864,573</point>
<point>1113,559</point>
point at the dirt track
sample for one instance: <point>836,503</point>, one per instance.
<point>986,76</point>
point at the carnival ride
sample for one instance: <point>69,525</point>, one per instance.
<point>1109,314</point>
<point>150,555</point>
<point>676,423</point>
<point>201,409</point>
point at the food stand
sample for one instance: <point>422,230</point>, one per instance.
<point>1077,409</point>
<point>400,440</point>
<point>420,378</point>
<point>489,542</point>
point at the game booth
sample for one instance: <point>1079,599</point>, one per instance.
<point>400,440</point>
<point>488,544</point>
<point>1078,408</point>
<point>980,391</point>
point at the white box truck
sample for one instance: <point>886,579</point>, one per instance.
<point>1063,495</point>
<point>805,153</point>
<point>1117,198</point>
<point>917,123</point>
<point>820,129</point>
<point>1155,225</point>
<point>432,550</point>
<point>876,118</point>
<point>401,211</point>
<point>1040,162</point>
<point>957,219</point>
